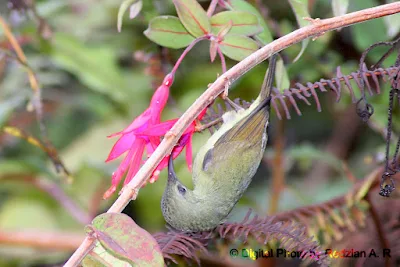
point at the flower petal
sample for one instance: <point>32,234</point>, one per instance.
<point>150,147</point>
<point>159,129</point>
<point>136,123</point>
<point>202,113</point>
<point>160,98</point>
<point>158,103</point>
<point>122,145</point>
<point>139,146</point>
<point>117,175</point>
<point>109,192</point>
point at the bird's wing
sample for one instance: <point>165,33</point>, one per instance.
<point>239,138</point>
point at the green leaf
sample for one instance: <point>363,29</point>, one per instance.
<point>137,4</point>
<point>95,260</point>
<point>240,5</point>
<point>281,75</point>
<point>392,22</point>
<point>366,187</point>
<point>8,105</point>
<point>193,16</point>
<point>21,213</point>
<point>102,258</point>
<point>121,237</point>
<point>265,37</point>
<point>238,47</point>
<point>300,9</point>
<point>304,153</point>
<point>168,31</point>
<point>339,7</point>
<point>362,32</point>
<point>110,245</point>
<point>135,9</point>
<point>224,30</point>
<point>243,23</point>
<point>96,67</point>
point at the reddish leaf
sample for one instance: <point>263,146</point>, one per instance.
<point>213,50</point>
<point>121,237</point>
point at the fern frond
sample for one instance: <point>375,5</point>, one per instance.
<point>177,243</point>
<point>282,99</point>
<point>290,235</point>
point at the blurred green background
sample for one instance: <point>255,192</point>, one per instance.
<point>95,81</point>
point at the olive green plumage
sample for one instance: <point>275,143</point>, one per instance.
<point>223,168</point>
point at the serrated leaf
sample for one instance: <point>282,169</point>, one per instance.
<point>339,7</point>
<point>124,239</point>
<point>238,47</point>
<point>193,17</point>
<point>300,9</point>
<point>243,23</point>
<point>168,31</point>
<point>122,9</point>
<point>240,5</point>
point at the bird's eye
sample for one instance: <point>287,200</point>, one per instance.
<point>181,189</point>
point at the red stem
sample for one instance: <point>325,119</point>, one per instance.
<point>187,49</point>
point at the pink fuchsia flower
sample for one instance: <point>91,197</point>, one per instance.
<point>185,141</point>
<point>134,142</point>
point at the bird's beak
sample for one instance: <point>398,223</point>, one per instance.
<point>171,172</point>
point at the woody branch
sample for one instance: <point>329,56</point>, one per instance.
<point>315,29</point>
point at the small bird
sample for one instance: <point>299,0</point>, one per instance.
<point>223,167</point>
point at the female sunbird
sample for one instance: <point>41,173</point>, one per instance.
<point>223,167</point>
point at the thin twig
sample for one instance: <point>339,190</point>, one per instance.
<point>223,62</point>
<point>187,49</point>
<point>36,99</point>
<point>202,127</point>
<point>211,7</point>
<point>315,29</point>
<point>58,194</point>
<point>55,192</point>
<point>65,241</point>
